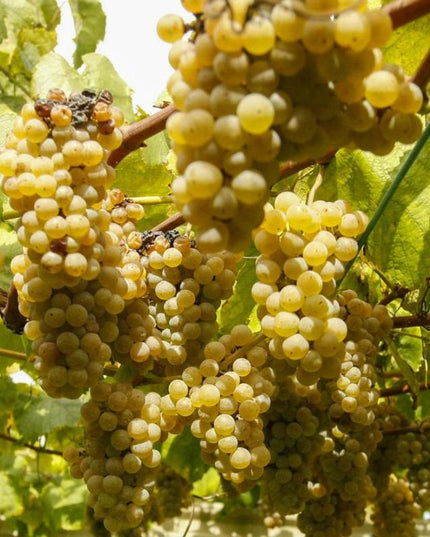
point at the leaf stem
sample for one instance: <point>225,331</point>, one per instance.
<point>13,354</point>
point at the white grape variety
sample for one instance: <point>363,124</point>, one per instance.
<point>119,461</point>
<point>395,511</point>
<point>185,289</point>
<point>354,392</point>
<point>225,398</point>
<point>69,278</point>
<point>303,250</point>
<point>261,83</point>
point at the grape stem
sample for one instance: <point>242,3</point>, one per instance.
<point>403,388</point>
<point>411,429</point>
<point>134,135</point>
<point>38,449</point>
<point>243,350</point>
<point>422,75</point>
<point>404,11</point>
<point>318,182</point>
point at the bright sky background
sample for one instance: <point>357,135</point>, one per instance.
<point>131,43</point>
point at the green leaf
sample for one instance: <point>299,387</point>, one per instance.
<point>33,43</point>
<point>9,247</point>
<point>66,503</point>
<point>145,172</point>
<point>90,26</point>
<point>237,309</point>
<point>10,504</point>
<point>405,368</point>
<point>410,348</point>
<point>208,484</point>
<point>6,120</point>
<point>182,453</point>
<point>398,244</point>
<point>99,73</point>
<point>51,13</point>
<point>53,71</point>
<point>36,416</point>
<point>409,45</point>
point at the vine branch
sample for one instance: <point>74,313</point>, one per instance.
<point>38,449</point>
<point>135,134</point>
<point>422,75</point>
<point>411,320</point>
<point>403,388</point>
<point>404,11</point>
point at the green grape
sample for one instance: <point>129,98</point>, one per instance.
<point>255,113</point>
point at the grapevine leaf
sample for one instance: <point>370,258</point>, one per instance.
<point>9,247</point>
<point>66,503</point>
<point>6,119</point>
<point>11,342</point>
<point>409,45</point>
<point>409,347</point>
<point>182,453</point>
<point>53,71</point>
<point>10,504</point>
<point>37,416</point>
<point>208,484</point>
<point>405,368</point>
<point>145,173</point>
<point>99,73</point>
<point>90,26</point>
<point>423,411</point>
<point>237,309</point>
<point>397,246</point>
<point>51,13</point>
<point>33,43</point>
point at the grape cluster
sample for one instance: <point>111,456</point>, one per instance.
<point>343,485</point>
<point>293,435</point>
<point>172,493</point>
<point>225,398</point>
<point>71,279</point>
<point>395,512</point>
<point>354,392</point>
<point>119,460</point>
<point>303,251</point>
<point>263,82</point>
<point>409,451</point>
<point>185,288</point>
